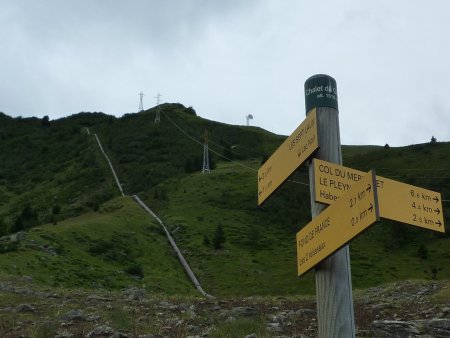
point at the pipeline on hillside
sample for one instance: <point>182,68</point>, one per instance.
<point>110,165</point>
<point>183,262</point>
<point>175,247</point>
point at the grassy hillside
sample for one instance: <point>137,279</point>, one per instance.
<point>146,153</point>
<point>118,246</point>
<point>233,246</point>
<point>52,168</point>
<point>259,255</point>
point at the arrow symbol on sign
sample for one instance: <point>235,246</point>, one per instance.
<point>439,223</point>
<point>437,211</point>
<point>369,188</point>
<point>260,193</point>
<point>436,199</point>
<point>371,207</point>
<point>260,178</point>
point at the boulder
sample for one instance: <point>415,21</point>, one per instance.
<point>243,311</point>
<point>438,327</point>
<point>102,330</point>
<point>394,328</point>
<point>135,293</point>
<point>77,315</point>
<point>24,308</point>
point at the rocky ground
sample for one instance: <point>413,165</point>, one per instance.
<point>404,309</point>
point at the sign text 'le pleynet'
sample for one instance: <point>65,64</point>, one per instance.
<point>398,201</point>
<point>288,157</point>
<point>340,222</point>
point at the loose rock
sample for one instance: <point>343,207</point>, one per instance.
<point>24,308</point>
<point>393,328</point>
<point>243,311</point>
<point>101,330</point>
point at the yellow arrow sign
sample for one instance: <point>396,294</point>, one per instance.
<point>354,212</point>
<point>398,201</point>
<point>288,157</point>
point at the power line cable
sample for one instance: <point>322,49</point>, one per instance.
<point>415,169</point>
<point>219,154</point>
<point>212,150</point>
<point>255,152</point>
<point>237,150</point>
<point>382,168</point>
<point>290,180</point>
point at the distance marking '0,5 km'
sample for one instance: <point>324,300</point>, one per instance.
<point>339,223</point>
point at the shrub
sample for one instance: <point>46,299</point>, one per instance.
<point>135,269</point>
<point>56,209</point>
<point>8,247</point>
<point>206,240</point>
<point>190,111</point>
<point>188,166</point>
<point>101,247</point>
<point>28,218</point>
<point>434,271</point>
<point>219,238</point>
<point>422,252</point>
<point>227,152</point>
<point>3,228</point>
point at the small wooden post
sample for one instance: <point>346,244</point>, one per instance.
<point>333,275</point>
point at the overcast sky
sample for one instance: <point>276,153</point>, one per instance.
<point>230,58</point>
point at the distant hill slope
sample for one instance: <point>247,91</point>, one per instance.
<point>56,167</point>
<point>53,167</point>
<point>116,247</point>
<point>233,246</point>
<point>146,153</point>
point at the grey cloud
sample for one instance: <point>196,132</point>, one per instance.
<point>231,58</point>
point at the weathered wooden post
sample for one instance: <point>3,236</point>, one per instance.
<point>333,275</point>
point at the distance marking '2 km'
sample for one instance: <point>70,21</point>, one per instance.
<point>398,201</point>
<point>334,227</point>
<point>288,157</point>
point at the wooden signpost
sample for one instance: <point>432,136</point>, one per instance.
<point>335,314</point>
<point>355,200</point>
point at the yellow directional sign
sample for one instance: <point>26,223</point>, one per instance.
<point>288,157</point>
<point>354,212</point>
<point>398,201</point>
